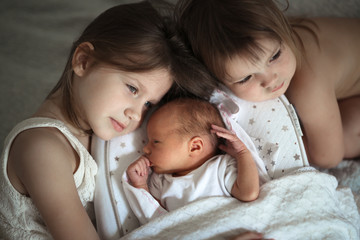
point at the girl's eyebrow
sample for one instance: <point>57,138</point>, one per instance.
<point>132,78</point>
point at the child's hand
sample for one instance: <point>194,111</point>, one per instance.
<point>138,172</point>
<point>234,146</point>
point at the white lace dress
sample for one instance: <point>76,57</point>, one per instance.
<point>19,218</point>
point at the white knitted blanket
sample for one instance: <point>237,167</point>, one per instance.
<point>305,204</point>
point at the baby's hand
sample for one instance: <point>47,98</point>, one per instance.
<point>138,172</point>
<point>234,146</point>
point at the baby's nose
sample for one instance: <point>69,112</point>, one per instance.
<point>146,150</point>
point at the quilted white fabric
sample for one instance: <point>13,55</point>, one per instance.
<point>305,204</point>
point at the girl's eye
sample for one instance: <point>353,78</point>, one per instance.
<point>276,56</point>
<point>244,80</point>
<point>132,89</point>
<point>156,141</point>
<point>148,104</point>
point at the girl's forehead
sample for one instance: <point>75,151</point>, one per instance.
<point>261,46</point>
<point>239,64</point>
<point>154,83</point>
<point>268,44</point>
<point>156,75</point>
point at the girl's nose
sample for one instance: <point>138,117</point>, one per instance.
<point>268,80</point>
<point>133,114</point>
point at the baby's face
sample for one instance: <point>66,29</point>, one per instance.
<point>166,150</point>
<point>263,79</point>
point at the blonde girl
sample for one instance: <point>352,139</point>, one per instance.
<point>124,62</point>
<point>260,54</point>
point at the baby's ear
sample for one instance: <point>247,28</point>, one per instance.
<point>196,145</point>
<point>81,58</point>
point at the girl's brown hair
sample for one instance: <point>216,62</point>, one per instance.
<point>137,38</point>
<point>218,30</point>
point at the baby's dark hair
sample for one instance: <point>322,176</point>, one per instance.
<point>195,117</point>
<point>137,38</point>
<point>219,30</point>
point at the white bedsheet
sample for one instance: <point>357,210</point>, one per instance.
<point>305,204</point>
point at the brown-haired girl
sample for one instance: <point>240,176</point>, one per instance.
<point>124,62</point>
<point>260,54</point>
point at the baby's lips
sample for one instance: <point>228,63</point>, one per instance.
<point>149,163</point>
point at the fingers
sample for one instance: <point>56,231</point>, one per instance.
<point>233,145</point>
<point>140,166</point>
<point>220,131</point>
<point>224,133</point>
<point>143,165</point>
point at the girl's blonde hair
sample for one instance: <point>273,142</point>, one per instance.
<point>218,30</point>
<point>137,38</point>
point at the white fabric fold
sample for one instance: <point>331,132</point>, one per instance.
<point>228,108</point>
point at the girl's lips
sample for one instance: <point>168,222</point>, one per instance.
<point>117,126</point>
<point>277,88</point>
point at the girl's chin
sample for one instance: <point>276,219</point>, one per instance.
<point>105,137</point>
<point>276,94</point>
<point>263,98</point>
<point>108,135</point>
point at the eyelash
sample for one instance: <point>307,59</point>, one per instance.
<point>276,56</point>
<point>148,104</point>
<point>244,80</point>
<point>132,89</point>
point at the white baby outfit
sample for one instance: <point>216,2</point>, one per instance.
<point>19,218</point>
<point>215,177</point>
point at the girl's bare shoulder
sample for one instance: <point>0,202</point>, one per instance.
<point>331,35</point>
<point>40,141</point>
<point>331,54</point>
<point>331,48</point>
<point>41,147</point>
<point>35,153</point>
<point>337,23</point>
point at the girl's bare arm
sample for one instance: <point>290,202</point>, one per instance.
<point>328,72</point>
<point>44,164</point>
